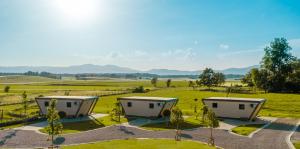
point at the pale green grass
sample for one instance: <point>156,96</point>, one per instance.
<point>246,130</point>
<point>74,127</point>
<point>297,144</point>
<point>143,144</point>
<point>24,79</point>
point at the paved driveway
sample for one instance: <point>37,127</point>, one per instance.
<point>272,137</point>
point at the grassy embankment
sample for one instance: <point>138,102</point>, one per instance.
<point>143,143</point>
<point>74,127</point>
<point>246,130</point>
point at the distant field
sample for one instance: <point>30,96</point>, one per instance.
<point>24,79</point>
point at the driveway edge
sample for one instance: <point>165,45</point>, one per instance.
<point>288,138</point>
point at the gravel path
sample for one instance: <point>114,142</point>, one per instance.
<point>272,137</point>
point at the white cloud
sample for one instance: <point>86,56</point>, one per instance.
<point>224,46</point>
<point>183,54</point>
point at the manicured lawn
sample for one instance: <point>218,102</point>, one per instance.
<point>246,130</point>
<point>297,144</point>
<point>188,123</point>
<point>277,104</point>
<point>74,127</point>
<point>143,144</point>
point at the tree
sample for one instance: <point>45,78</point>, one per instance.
<point>247,79</point>
<point>204,112</point>
<point>139,89</point>
<point>168,82</point>
<point>196,107</point>
<point>54,125</point>
<point>116,112</point>
<point>154,81</point>
<point>218,79</point>
<point>293,79</point>
<point>206,78</point>
<point>25,102</point>
<point>212,123</point>
<point>6,89</point>
<point>278,61</point>
<point>191,83</point>
<point>176,119</point>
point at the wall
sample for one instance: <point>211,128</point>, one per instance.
<point>61,106</point>
<point>231,109</point>
<point>141,108</point>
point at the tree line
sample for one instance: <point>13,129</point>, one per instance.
<point>279,70</point>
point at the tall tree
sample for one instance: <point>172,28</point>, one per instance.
<point>177,119</point>
<point>25,102</point>
<point>154,81</point>
<point>207,77</point>
<point>218,79</point>
<point>168,83</point>
<point>277,60</point>
<point>54,125</point>
<point>212,123</point>
<point>204,112</point>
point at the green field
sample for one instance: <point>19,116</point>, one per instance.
<point>297,145</point>
<point>142,143</point>
<point>246,130</point>
<point>277,105</point>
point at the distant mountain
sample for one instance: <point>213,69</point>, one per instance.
<point>240,71</point>
<point>172,72</point>
<point>90,68</point>
<point>86,68</point>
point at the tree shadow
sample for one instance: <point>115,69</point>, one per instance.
<point>83,125</point>
<point>186,136</point>
<point>8,136</point>
<point>59,140</point>
<point>125,130</point>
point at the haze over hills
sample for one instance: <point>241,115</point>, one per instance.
<point>90,68</point>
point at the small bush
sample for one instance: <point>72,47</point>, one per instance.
<point>139,89</point>
<point>6,89</point>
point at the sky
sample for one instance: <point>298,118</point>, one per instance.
<point>145,34</point>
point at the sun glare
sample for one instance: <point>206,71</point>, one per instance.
<point>78,10</point>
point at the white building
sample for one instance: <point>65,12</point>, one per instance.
<point>229,107</point>
<point>69,106</point>
<point>147,106</point>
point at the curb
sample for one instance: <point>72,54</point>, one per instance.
<point>288,138</point>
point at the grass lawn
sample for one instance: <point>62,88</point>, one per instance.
<point>277,104</point>
<point>74,127</point>
<point>246,130</point>
<point>188,123</point>
<point>297,144</point>
<point>144,144</point>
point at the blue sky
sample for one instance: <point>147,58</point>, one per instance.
<point>144,34</point>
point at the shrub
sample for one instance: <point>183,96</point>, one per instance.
<point>6,89</point>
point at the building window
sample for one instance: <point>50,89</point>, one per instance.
<point>251,105</point>
<point>158,104</point>
<point>151,105</point>
<point>129,104</point>
<point>75,103</point>
<point>46,103</point>
<point>215,105</point>
<point>241,106</point>
<point>69,104</point>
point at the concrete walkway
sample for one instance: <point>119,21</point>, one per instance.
<point>229,124</point>
<point>271,137</point>
<point>37,126</point>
